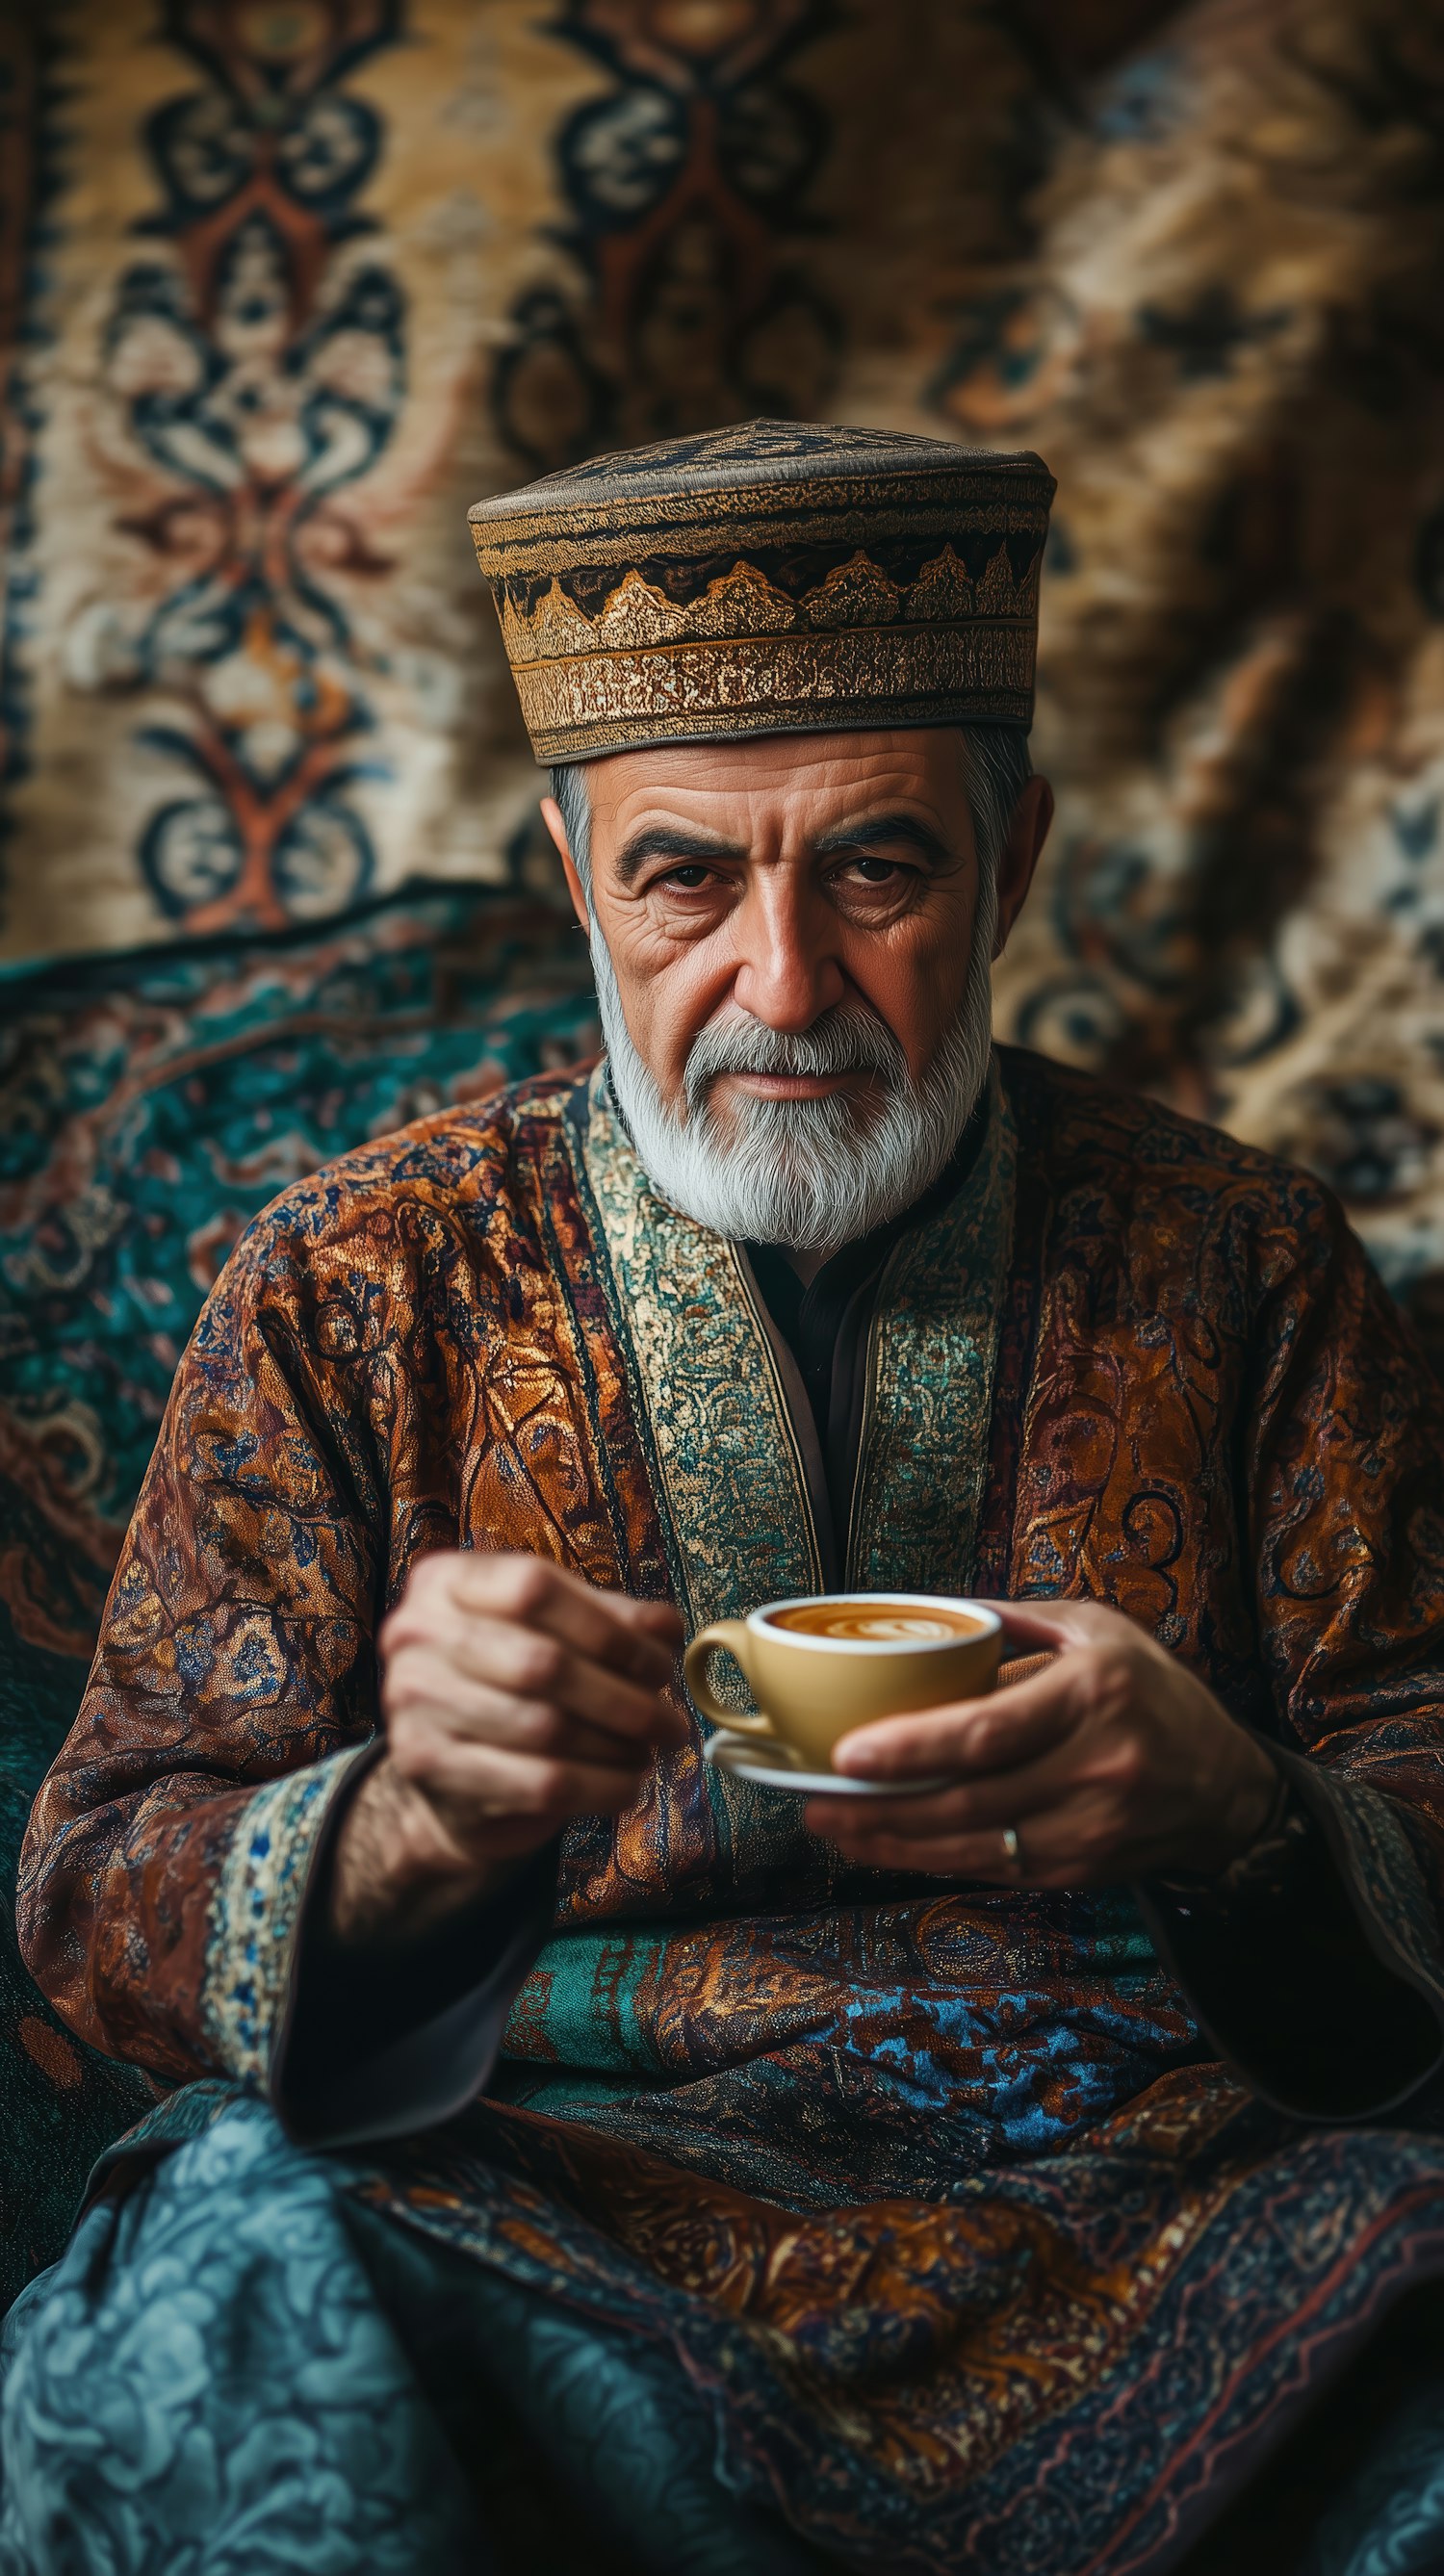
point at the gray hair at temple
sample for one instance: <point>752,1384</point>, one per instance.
<point>999,768</point>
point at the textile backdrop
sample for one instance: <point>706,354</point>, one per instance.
<point>285,284</point>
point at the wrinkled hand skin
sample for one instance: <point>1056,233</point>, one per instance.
<point>515,1696</point>
<point>1112,1762</point>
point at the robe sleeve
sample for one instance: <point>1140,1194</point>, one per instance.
<point>1321,1973</point>
<point>174,1851</point>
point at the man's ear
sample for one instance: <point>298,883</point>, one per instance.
<point>551,814</point>
<point>1032,816</point>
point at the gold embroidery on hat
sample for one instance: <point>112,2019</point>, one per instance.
<point>941,591</point>
<point>636,613</point>
<point>999,595</point>
<point>555,628</point>
<point>742,602</point>
<point>855,593</point>
<point>596,698</point>
<point>846,598</point>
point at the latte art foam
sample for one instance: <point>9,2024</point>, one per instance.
<point>876,1623</point>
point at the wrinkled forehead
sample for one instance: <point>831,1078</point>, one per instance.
<point>781,793</point>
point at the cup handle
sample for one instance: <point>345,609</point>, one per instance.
<point>731,1634</point>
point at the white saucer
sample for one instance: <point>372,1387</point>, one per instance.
<point>751,1757</point>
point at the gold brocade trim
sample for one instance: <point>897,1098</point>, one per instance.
<point>605,701</point>
<point>637,615</point>
<point>718,1422</point>
<point>744,602</point>
<point>731,1483</point>
<point>255,1912</point>
<point>923,1459</point>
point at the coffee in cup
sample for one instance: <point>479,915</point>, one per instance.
<point>820,1666</point>
<point>884,1622</point>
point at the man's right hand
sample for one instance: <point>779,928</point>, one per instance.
<point>515,1697</point>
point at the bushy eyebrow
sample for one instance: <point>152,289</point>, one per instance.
<point>683,848</point>
<point>670,841</point>
<point>886,832</point>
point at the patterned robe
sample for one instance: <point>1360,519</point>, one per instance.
<point>974,2247</point>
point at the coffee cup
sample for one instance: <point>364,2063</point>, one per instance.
<point>827,1662</point>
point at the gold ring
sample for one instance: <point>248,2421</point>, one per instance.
<point>1012,1851</point>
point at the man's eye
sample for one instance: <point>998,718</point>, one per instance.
<point>875,871</point>
<point>690,879</point>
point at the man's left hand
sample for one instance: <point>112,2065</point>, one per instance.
<point>1112,1762</point>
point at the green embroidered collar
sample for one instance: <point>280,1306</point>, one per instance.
<point>724,1446</point>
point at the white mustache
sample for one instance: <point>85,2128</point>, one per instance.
<point>847,1038</point>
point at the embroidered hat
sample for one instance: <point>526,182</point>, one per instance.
<point>772,578</point>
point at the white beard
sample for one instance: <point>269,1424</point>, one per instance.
<point>808,1174</point>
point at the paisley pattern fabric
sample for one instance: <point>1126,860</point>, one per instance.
<point>149,1107</point>
<point>934,2193</point>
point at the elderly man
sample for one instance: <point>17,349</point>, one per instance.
<point>582,2158</point>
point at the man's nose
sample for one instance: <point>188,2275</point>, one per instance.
<point>788,972</point>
